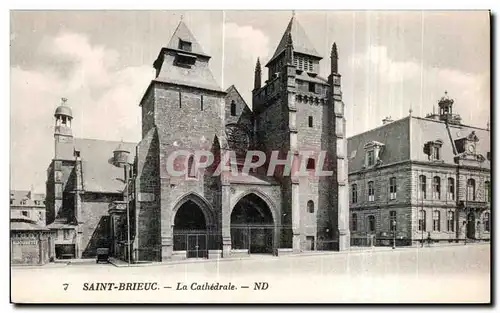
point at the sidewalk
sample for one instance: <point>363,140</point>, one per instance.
<point>254,257</point>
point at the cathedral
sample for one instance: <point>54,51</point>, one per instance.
<point>120,195</point>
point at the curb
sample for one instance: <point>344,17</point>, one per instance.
<point>356,251</point>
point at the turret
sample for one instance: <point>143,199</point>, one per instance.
<point>258,75</point>
<point>120,155</point>
<point>63,116</point>
<point>334,59</point>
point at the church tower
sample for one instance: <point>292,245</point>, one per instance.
<point>182,109</point>
<point>299,111</point>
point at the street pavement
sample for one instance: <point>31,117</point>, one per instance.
<point>446,274</point>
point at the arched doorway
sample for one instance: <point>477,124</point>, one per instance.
<point>252,225</point>
<point>190,230</point>
<point>471,226</point>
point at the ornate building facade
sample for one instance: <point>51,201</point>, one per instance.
<point>93,184</point>
<point>418,178</point>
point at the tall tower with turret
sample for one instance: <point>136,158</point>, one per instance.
<point>299,111</point>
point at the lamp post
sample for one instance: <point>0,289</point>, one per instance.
<point>126,169</point>
<point>465,231</point>
<point>394,237</point>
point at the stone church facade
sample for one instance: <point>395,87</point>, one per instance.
<point>201,214</point>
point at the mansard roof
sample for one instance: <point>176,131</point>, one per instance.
<point>301,43</point>
<point>404,140</point>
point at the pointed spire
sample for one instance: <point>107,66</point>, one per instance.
<point>183,39</point>
<point>258,75</point>
<point>334,57</point>
<point>301,42</point>
<point>64,100</point>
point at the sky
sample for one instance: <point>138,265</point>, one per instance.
<point>101,61</point>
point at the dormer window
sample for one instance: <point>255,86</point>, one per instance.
<point>371,157</point>
<point>185,45</point>
<point>373,150</point>
<point>433,149</point>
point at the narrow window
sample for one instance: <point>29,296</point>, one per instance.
<point>191,168</point>
<point>201,102</point>
<point>354,193</point>
<point>371,191</point>
<point>451,221</point>
<point>180,100</point>
<point>310,206</point>
<point>422,186</point>
<point>370,157</point>
<point>486,221</point>
<point>310,121</point>
<point>436,220</point>
<point>436,188</point>
<point>312,87</point>
<point>451,189</point>
<point>371,223</point>
<point>233,108</point>
<point>435,153</point>
<point>24,213</point>
<point>487,196</point>
<point>471,189</point>
<point>310,65</point>
<point>392,220</point>
<point>421,220</point>
<point>354,222</point>
<point>310,164</point>
<point>11,201</point>
<point>392,188</point>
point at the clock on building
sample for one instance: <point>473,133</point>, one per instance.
<point>471,148</point>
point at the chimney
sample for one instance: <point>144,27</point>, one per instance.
<point>387,120</point>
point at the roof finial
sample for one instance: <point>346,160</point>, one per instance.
<point>488,125</point>
<point>410,110</point>
<point>293,13</point>
<point>64,100</point>
<point>182,17</point>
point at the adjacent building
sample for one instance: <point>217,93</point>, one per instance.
<point>27,204</point>
<point>107,194</point>
<point>418,178</point>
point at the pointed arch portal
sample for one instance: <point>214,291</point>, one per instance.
<point>191,223</point>
<point>252,225</point>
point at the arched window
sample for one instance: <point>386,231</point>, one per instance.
<point>354,222</point>
<point>422,182</point>
<point>471,189</point>
<point>371,191</point>
<point>436,188</point>
<point>371,223</point>
<point>486,221</point>
<point>354,193</point>
<point>436,220</point>
<point>421,220</point>
<point>487,195</point>
<point>191,167</point>
<point>451,221</point>
<point>451,189</point>
<point>310,206</point>
<point>233,108</point>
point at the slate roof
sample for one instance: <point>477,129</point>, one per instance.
<point>301,42</point>
<point>99,172</point>
<point>17,196</point>
<point>404,140</point>
<point>198,75</point>
<point>183,33</point>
